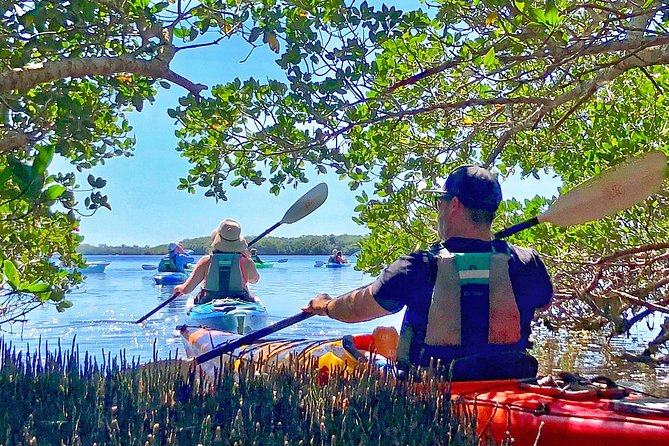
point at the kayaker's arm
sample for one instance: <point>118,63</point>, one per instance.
<point>198,275</point>
<point>358,305</point>
<point>250,270</point>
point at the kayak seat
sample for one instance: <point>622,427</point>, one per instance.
<point>488,367</point>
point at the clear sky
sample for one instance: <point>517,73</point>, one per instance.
<point>147,209</point>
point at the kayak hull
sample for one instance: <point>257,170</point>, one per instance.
<point>170,278</point>
<point>530,414</point>
<point>228,315</point>
<point>337,265</point>
<point>93,267</point>
<point>264,265</point>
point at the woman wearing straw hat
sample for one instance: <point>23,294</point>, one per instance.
<point>227,270</point>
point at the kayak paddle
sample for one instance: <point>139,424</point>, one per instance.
<point>613,190</point>
<point>304,206</point>
<point>251,337</point>
<point>308,203</point>
<point>254,336</point>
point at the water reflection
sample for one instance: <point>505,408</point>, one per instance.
<point>589,354</point>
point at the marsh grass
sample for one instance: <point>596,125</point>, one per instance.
<point>60,398</point>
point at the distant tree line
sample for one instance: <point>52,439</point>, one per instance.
<point>304,245</point>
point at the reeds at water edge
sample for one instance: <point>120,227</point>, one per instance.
<point>60,398</point>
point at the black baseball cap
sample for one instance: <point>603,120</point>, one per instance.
<point>474,186</point>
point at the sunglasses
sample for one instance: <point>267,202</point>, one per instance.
<point>444,197</point>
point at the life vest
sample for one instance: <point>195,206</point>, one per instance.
<point>167,264</point>
<point>455,271</point>
<point>225,278</point>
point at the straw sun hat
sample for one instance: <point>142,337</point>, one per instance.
<point>228,237</point>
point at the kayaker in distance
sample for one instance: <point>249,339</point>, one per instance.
<point>255,257</point>
<point>333,256</point>
<point>339,258</point>
<point>227,270</point>
<point>175,260</point>
<point>469,299</point>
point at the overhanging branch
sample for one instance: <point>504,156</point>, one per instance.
<point>33,75</point>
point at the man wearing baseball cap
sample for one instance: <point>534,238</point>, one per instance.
<point>469,299</point>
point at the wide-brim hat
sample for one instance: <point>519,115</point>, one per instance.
<point>228,237</point>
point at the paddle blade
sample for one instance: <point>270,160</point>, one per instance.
<point>308,203</point>
<point>615,189</point>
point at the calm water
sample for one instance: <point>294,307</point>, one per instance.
<point>105,307</point>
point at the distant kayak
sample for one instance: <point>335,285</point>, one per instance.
<point>90,268</point>
<point>337,265</point>
<point>170,278</point>
<point>264,265</point>
<point>94,267</point>
<point>319,264</point>
<point>149,266</point>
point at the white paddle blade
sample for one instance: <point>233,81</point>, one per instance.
<point>308,203</point>
<point>615,189</point>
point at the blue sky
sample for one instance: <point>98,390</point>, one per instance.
<point>147,209</point>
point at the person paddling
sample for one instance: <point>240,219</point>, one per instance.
<point>227,271</point>
<point>469,299</point>
<point>175,260</point>
<point>339,258</point>
<point>255,257</point>
<point>333,256</point>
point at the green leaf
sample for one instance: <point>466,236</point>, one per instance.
<point>39,287</point>
<point>63,305</point>
<point>5,174</point>
<point>11,274</point>
<point>489,59</point>
<point>43,159</point>
<point>55,191</point>
<point>551,14</point>
<point>255,33</point>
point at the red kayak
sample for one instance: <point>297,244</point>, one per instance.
<point>545,412</point>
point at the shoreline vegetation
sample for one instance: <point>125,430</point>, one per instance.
<point>303,245</point>
<point>60,398</point>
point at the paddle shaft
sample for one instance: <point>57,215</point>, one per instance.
<point>251,337</point>
<point>517,228</point>
<point>267,231</point>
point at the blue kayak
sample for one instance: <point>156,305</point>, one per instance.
<point>337,265</point>
<point>227,314</point>
<point>318,264</point>
<point>170,278</point>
